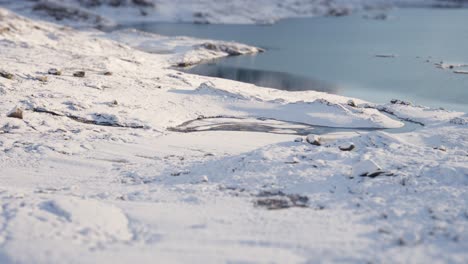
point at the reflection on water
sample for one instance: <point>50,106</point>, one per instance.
<point>278,80</point>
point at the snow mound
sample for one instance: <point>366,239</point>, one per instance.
<point>319,112</point>
<point>90,216</point>
<point>366,168</point>
<point>419,114</point>
<point>188,51</point>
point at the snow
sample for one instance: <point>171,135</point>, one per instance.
<point>145,164</point>
<point>190,51</point>
<point>107,13</point>
<point>366,168</point>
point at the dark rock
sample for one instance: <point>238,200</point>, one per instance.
<point>348,147</point>
<point>273,204</point>
<point>6,75</point>
<point>441,148</point>
<point>351,103</point>
<point>313,140</point>
<point>108,73</point>
<point>373,175</point>
<point>274,200</point>
<point>16,113</point>
<point>80,74</point>
<point>396,101</point>
<point>184,64</point>
<point>367,168</point>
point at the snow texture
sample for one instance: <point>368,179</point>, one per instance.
<point>138,162</point>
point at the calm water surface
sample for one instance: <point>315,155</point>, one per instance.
<point>337,55</point>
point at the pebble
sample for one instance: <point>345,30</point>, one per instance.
<point>80,74</point>
<point>6,75</point>
<point>347,147</point>
<point>54,71</point>
<point>366,168</point>
<point>313,140</point>
<point>351,103</point>
<point>16,113</point>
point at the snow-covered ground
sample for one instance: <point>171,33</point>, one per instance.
<point>109,13</point>
<point>98,170</point>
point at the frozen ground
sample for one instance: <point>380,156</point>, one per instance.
<point>95,172</point>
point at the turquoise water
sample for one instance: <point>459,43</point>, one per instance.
<point>337,55</point>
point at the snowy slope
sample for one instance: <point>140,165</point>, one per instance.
<point>95,172</point>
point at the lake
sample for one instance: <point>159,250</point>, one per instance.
<point>339,55</point>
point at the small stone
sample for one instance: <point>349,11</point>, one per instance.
<point>108,73</point>
<point>299,139</point>
<point>183,64</point>
<point>6,75</point>
<point>367,168</point>
<point>441,148</point>
<point>205,178</point>
<point>54,71</point>
<point>347,147</point>
<point>351,103</point>
<point>115,102</point>
<point>16,113</point>
<point>313,140</point>
<point>80,74</point>
<point>42,78</point>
